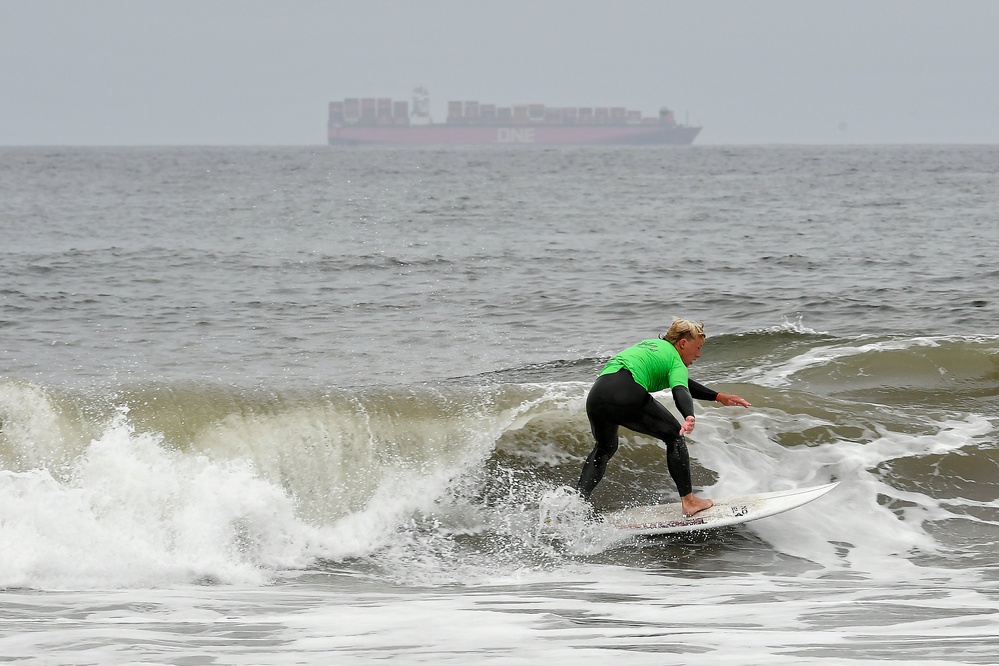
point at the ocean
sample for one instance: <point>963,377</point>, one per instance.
<point>299,405</point>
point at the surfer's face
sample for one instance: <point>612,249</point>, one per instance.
<point>690,350</point>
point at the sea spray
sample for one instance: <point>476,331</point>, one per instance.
<point>134,513</point>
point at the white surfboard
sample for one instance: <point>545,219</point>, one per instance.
<point>669,518</point>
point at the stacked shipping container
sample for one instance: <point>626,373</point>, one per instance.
<point>384,111</point>
<point>360,120</point>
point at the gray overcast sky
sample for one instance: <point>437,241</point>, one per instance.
<point>234,72</point>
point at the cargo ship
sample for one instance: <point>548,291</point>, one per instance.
<point>356,121</point>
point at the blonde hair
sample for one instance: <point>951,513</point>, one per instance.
<point>683,328</point>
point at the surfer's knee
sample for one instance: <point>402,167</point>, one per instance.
<point>675,442</point>
<point>605,447</point>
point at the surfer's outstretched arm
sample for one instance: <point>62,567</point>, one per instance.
<point>701,392</point>
<point>732,400</point>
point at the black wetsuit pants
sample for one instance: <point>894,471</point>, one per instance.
<point>617,400</point>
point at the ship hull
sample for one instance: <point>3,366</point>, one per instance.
<point>515,135</point>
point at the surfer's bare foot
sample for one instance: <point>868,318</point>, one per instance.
<point>692,505</point>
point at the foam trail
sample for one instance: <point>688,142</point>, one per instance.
<point>853,526</point>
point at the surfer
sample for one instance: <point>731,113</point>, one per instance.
<point>622,396</point>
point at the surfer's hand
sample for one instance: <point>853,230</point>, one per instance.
<point>688,425</point>
<point>731,400</point>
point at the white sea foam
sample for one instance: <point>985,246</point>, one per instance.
<point>796,326</point>
<point>853,527</point>
<point>822,355</point>
<point>130,512</point>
